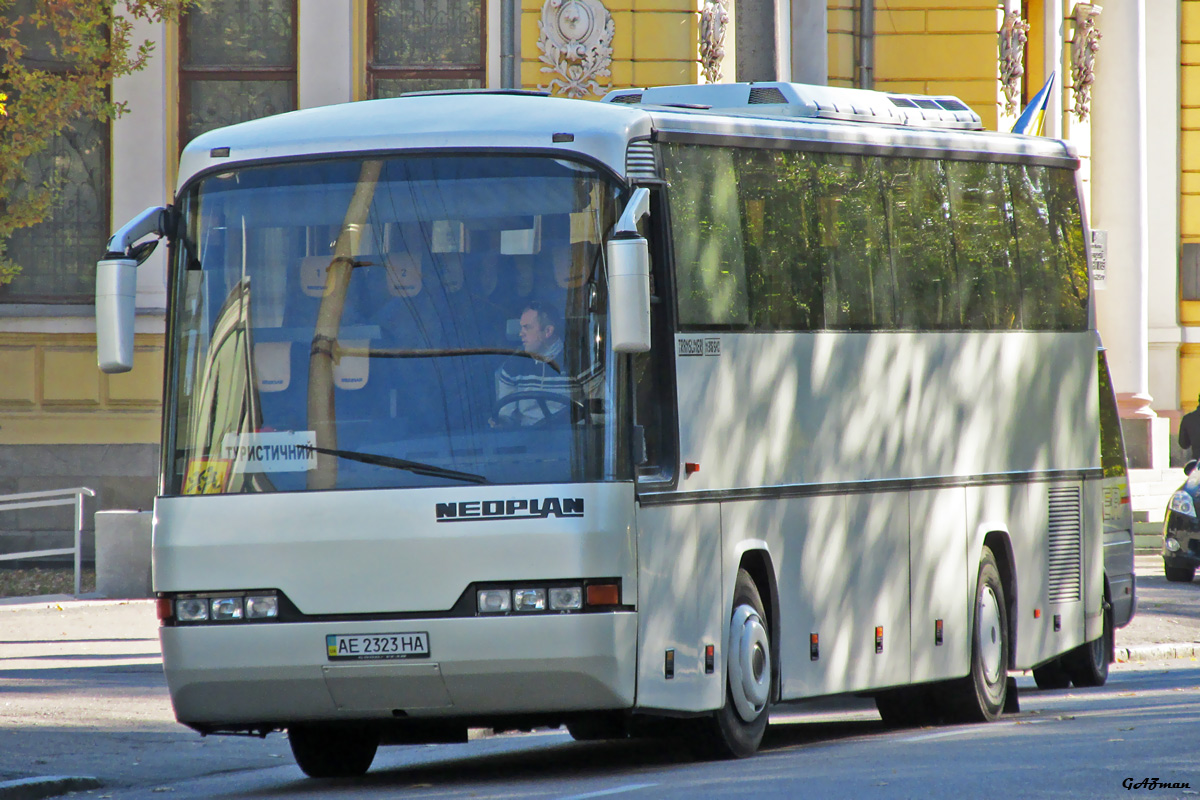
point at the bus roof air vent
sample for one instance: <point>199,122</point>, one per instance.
<point>627,96</point>
<point>766,94</point>
<point>821,102</point>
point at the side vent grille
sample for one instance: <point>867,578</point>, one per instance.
<point>952,105</point>
<point>639,161</point>
<point>1066,545</point>
<point>631,99</point>
<point>902,102</point>
<point>765,95</point>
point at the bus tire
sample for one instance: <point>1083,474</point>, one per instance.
<point>333,751</point>
<point>980,696</point>
<point>1088,664</point>
<point>736,730</point>
<point>1051,675</point>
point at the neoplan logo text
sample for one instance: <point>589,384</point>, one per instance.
<point>479,510</point>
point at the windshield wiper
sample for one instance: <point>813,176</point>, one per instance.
<point>415,467</point>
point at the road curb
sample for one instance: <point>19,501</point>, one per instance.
<point>1157,652</point>
<point>46,786</point>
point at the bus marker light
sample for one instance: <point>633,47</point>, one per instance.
<point>691,467</point>
<point>1058,622</point>
<point>529,599</point>
<point>938,629</point>
<point>1037,613</point>
<point>669,665</point>
<point>493,601</point>
<point>709,659</point>
<point>878,638</point>
<point>191,609</point>
<point>814,647</point>
<point>603,594</point>
<point>566,598</point>
<point>165,608</point>
<point>262,607</point>
<point>225,609</point>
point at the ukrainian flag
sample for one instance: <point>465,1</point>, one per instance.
<point>1031,119</point>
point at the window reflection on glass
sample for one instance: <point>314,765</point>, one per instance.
<point>792,240</point>
<point>425,45</point>
<point>58,255</point>
<point>446,327</point>
<point>237,63</point>
<point>985,248</point>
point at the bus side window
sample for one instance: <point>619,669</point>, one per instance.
<point>653,376</point>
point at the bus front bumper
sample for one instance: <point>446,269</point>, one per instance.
<point>272,674</point>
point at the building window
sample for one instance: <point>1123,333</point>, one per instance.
<point>58,255</point>
<point>237,62</point>
<point>424,45</point>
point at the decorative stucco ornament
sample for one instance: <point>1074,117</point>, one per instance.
<point>713,20</point>
<point>1013,35</point>
<point>1084,46</point>
<point>576,46</point>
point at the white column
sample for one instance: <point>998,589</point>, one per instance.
<point>139,162</point>
<point>325,55</point>
<point>1119,199</point>
<point>810,42</point>
<point>1162,64</point>
<point>1052,48</point>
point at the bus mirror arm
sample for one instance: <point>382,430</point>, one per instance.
<point>116,288</point>
<point>637,207</point>
<point>629,278</point>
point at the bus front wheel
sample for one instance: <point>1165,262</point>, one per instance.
<point>333,751</point>
<point>980,696</point>
<point>736,730</point>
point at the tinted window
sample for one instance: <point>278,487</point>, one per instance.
<point>791,240</point>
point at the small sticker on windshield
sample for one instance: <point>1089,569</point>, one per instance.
<point>284,451</point>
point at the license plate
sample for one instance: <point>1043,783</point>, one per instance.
<point>370,646</point>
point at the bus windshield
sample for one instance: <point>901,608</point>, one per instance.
<point>392,322</point>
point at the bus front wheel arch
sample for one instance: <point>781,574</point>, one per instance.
<point>736,729</point>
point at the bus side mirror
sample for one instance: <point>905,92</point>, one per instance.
<point>629,293</point>
<point>1189,467</point>
<point>116,287</point>
<point>116,292</point>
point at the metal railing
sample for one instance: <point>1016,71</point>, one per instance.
<point>54,497</point>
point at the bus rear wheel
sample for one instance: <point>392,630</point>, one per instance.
<point>980,696</point>
<point>736,730</point>
<point>1088,664</point>
<point>333,751</point>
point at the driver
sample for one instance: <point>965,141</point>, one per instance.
<point>543,375</point>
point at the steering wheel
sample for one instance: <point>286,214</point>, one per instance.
<point>543,399</point>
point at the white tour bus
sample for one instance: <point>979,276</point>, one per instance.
<point>492,409</point>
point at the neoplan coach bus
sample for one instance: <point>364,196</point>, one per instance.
<point>494,409</point>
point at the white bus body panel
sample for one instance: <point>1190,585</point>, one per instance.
<point>875,518</point>
<point>384,552</point>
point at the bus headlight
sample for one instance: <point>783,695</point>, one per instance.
<point>224,609</point>
<point>494,601</point>
<point>529,599</point>
<point>191,609</point>
<point>1181,503</point>
<point>568,598</point>
<point>262,607</point>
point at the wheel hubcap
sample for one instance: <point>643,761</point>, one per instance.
<point>749,663</point>
<point>991,637</point>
